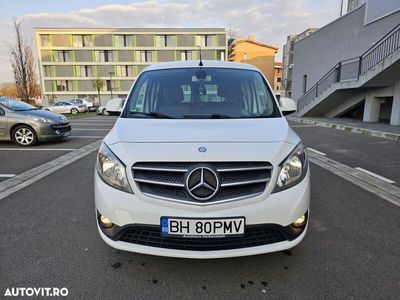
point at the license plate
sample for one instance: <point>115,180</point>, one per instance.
<point>202,228</point>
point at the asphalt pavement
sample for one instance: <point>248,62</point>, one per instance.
<point>377,155</point>
<point>49,238</point>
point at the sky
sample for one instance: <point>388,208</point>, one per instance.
<point>270,21</point>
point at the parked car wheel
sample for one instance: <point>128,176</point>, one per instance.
<point>74,111</point>
<point>24,136</point>
<point>104,112</point>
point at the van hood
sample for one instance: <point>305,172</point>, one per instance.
<point>127,130</point>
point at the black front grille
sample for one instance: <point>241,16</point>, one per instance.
<point>58,125</point>
<point>62,127</point>
<point>255,235</point>
<point>167,180</point>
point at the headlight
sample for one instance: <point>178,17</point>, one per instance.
<point>41,119</point>
<point>292,169</point>
<point>112,170</point>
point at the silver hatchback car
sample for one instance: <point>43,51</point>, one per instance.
<point>26,125</point>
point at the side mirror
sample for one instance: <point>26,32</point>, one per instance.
<point>287,105</point>
<point>2,112</point>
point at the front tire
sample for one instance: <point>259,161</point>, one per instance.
<point>104,112</point>
<point>24,136</point>
<point>74,111</point>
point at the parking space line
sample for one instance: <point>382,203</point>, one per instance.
<point>92,120</point>
<point>36,149</point>
<point>97,129</point>
<point>375,175</point>
<point>87,136</point>
<point>93,124</point>
<point>316,151</point>
<point>386,191</point>
<point>6,175</point>
<point>31,176</point>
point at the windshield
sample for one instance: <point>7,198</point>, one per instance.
<point>15,105</point>
<point>201,93</point>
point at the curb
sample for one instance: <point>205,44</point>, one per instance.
<point>375,133</point>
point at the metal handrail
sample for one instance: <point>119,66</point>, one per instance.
<point>385,46</point>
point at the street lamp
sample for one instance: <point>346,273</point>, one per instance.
<point>111,74</point>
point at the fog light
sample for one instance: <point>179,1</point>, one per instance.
<point>57,131</point>
<point>300,222</point>
<point>105,222</point>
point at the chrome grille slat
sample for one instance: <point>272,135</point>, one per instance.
<point>166,180</point>
<point>245,169</point>
<point>244,182</point>
<point>159,169</point>
<point>159,182</point>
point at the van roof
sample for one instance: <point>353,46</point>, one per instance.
<point>195,64</point>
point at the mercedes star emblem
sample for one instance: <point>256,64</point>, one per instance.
<point>202,183</point>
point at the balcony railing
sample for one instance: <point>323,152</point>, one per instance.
<point>351,69</point>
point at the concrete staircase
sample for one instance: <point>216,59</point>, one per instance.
<point>344,85</point>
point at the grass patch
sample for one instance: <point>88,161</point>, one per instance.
<point>81,115</point>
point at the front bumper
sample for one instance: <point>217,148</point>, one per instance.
<point>53,132</point>
<point>276,211</point>
<point>244,251</point>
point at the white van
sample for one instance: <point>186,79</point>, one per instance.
<point>202,164</point>
<point>113,107</point>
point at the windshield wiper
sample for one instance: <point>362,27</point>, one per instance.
<point>212,116</point>
<point>154,114</point>
<point>257,116</point>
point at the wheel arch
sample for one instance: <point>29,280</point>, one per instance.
<point>12,128</point>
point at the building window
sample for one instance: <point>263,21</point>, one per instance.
<point>124,71</point>
<point>84,71</point>
<point>187,55</point>
<point>145,56</point>
<point>119,41</point>
<point>164,41</point>
<point>279,79</point>
<point>123,41</point>
<point>64,85</point>
<point>206,40</point>
<point>104,56</point>
<point>62,56</point>
<point>47,71</point>
<point>109,85</point>
<point>222,55</point>
<point>88,71</point>
<point>82,41</point>
<point>291,46</point>
<point>45,40</point>
<point>80,71</point>
<point>304,84</point>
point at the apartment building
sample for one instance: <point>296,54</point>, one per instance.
<point>255,53</point>
<point>350,67</point>
<point>278,79</point>
<point>287,60</point>
<point>104,62</point>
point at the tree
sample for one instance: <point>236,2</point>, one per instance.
<point>22,63</point>
<point>8,89</point>
<point>98,84</point>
